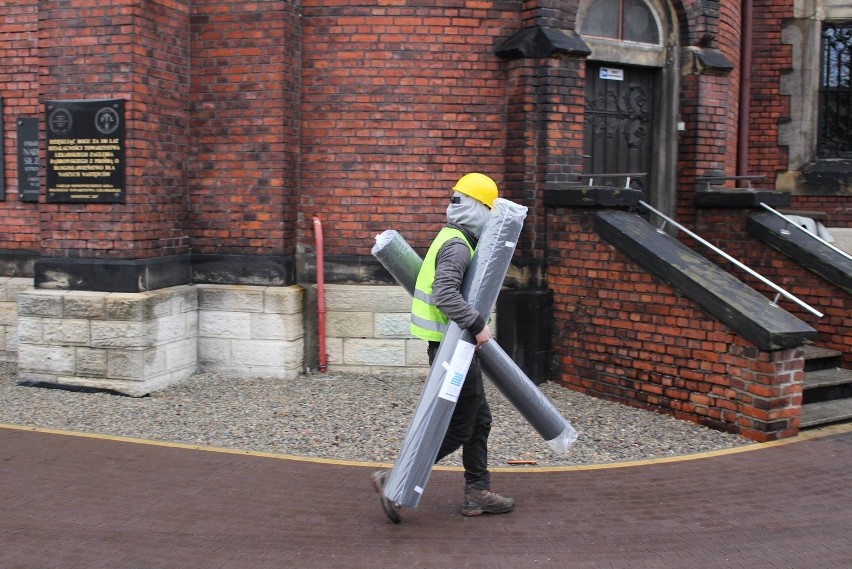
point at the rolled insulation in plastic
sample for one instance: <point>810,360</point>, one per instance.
<point>480,287</point>
<point>397,256</point>
<point>403,263</point>
<point>524,396</point>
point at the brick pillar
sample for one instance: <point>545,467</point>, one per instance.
<point>243,183</point>
<point>136,51</point>
<point>770,394</point>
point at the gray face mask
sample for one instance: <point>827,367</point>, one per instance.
<point>469,213</point>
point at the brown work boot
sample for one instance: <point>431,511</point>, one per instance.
<point>379,479</point>
<point>478,502</point>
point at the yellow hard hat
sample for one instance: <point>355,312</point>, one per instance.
<point>479,187</point>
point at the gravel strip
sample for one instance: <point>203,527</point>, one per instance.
<point>344,416</point>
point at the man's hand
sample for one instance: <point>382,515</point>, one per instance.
<point>483,336</point>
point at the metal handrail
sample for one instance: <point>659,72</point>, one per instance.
<point>710,179</point>
<point>800,228</point>
<point>747,269</point>
<point>627,175</point>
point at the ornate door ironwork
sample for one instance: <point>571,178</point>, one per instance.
<point>618,133</point>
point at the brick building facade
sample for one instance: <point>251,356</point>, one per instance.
<point>247,121</point>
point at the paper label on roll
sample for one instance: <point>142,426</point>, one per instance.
<point>456,371</point>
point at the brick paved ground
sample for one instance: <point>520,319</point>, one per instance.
<point>75,502</point>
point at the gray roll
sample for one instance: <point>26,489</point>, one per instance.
<point>524,396</point>
<point>397,256</point>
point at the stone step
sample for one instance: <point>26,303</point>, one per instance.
<point>835,411</point>
<point>826,385</point>
<point>827,378</point>
<point>817,357</point>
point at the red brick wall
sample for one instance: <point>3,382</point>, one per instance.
<point>400,99</point>
<point>243,189</point>
<point>837,208</point>
<point>19,90</point>
<point>726,229</point>
<point>622,335</point>
<point>770,58</point>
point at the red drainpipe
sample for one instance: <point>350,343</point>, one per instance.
<point>745,88</point>
<point>320,295</point>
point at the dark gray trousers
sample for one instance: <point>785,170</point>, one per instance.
<point>469,426</point>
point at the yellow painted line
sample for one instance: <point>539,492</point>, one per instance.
<point>805,436</point>
<point>194,447</point>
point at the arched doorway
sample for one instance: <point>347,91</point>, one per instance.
<point>630,94</point>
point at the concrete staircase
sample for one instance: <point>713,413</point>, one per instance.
<point>827,396</point>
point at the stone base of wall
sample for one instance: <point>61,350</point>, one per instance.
<point>132,343</point>
<point>136,343</point>
<point>367,331</point>
<point>250,331</point>
<point>9,290</point>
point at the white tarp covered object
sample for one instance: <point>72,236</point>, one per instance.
<point>481,286</point>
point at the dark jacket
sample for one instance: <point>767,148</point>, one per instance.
<point>451,264</point>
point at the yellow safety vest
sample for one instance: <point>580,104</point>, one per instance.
<point>427,321</point>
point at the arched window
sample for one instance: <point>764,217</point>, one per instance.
<point>622,20</point>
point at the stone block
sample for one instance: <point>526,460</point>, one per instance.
<point>370,298</point>
<point>349,324</point>
<point>126,364</point>
<point>46,359</point>
<point>12,339</point>
<point>168,329</point>
<point>374,352</point>
<point>218,324</point>
<point>283,300</point>
<point>30,329</point>
<point>91,362</point>
<point>259,352</point>
<point>231,298</point>
<point>124,306</point>
<point>43,303</point>
<point>182,354</point>
<point>392,325</point>
<point>213,352</point>
<point>277,326</point>
<point>415,353</point>
<point>85,304</point>
<point>117,334</point>
<point>8,314</point>
<point>15,286</point>
<point>65,332</point>
<point>334,351</point>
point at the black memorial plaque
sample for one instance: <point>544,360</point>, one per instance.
<point>85,151</point>
<point>29,163</point>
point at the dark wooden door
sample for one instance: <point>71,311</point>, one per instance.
<point>619,123</point>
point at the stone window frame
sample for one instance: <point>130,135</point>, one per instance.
<point>623,51</point>
<point>648,5</point>
<point>823,91</point>
<point>801,83</point>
